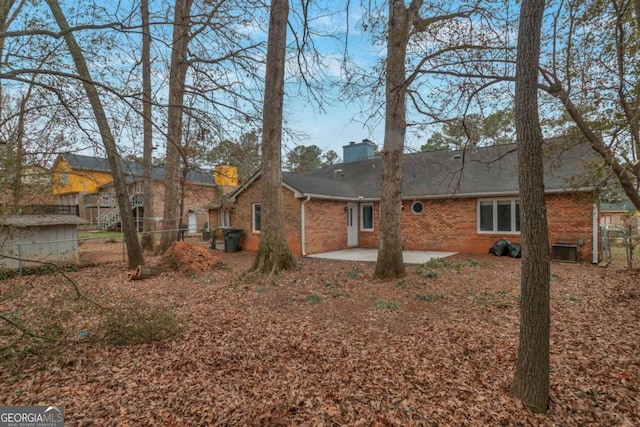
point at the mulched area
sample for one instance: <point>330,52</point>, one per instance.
<point>325,344</point>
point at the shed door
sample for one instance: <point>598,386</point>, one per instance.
<point>193,223</point>
<point>352,224</point>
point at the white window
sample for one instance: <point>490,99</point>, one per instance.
<point>499,216</point>
<point>366,215</point>
<point>256,217</point>
<point>417,208</point>
<point>224,218</point>
<point>64,178</point>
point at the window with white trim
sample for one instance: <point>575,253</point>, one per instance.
<point>499,216</point>
<point>417,207</point>
<point>256,217</point>
<point>64,178</point>
<point>224,218</point>
<point>366,215</point>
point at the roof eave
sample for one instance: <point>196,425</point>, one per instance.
<point>498,193</point>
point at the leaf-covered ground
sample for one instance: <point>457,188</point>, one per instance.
<point>326,345</point>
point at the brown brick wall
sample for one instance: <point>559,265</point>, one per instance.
<point>444,224</point>
<point>326,226</point>
<point>196,197</point>
<point>241,218</point>
<point>570,218</point>
<point>369,239</point>
<point>451,225</point>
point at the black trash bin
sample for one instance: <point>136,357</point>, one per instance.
<point>232,239</point>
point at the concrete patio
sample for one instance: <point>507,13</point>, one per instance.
<point>371,255</point>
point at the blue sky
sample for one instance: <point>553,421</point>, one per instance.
<point>341,121</point>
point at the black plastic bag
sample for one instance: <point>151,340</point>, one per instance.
<point>515,250</point>
<point>500,248</point>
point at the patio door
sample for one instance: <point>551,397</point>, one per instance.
<point>352,224</point>
<point>193,222</point>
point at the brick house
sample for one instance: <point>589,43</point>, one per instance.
<point>460,201</point>
<point>87,181</point>
<point>624,214</point>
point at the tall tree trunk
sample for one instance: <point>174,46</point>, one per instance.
<point>177,77</point>
<point>390,263</point>
<point>148,223</point>
<point>134,251</point>
<point>273,253</point>
<point>19,159</point>
<point>15,163</point>
<point>6,18</point>
<point>531,380</point>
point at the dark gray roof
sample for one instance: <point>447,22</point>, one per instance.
<point>78,161</point>
<point>40,220</point>
<point>617,207</point>
<point>481,171</point>
<point>132,169</point>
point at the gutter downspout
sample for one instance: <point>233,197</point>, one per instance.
<point>595,244</point>
<point>303,226</point>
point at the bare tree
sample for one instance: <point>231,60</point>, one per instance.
<point>148,224</point>
<point>405,22</point>
<point>531,380</point>
<point>273,253</point>
<point>134,250</point>
<point>177,77</point>
<point>595,76</point>
<point>390,262</point>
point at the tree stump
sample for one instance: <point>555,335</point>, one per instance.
<point>144,272</point>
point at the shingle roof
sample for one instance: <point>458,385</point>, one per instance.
<point>39,220</point>
<point>617,207</point>
<point>485,170</point>
<point>78,161</point>
<point>132,170</point>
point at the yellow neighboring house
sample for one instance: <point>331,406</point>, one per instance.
<point>87,181</point>
<point>75,175</point>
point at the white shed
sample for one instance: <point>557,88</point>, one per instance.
<point>46,238</point>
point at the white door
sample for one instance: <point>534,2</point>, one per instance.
<point>352,224</point>
<point>193,223</point>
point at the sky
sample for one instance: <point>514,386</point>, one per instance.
<point>340,122</point>
<point>335,128</point>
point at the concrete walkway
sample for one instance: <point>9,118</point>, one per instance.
<point>371,255</point>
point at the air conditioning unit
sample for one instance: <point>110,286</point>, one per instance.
<point>564,252</point>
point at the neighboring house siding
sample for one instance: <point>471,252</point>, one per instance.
<point>95,193</point>
<point>82,181</point>
<point>622,218</point>
<point>195,199</point>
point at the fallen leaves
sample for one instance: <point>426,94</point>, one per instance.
<point>189,258</point>
<point>256,352</point>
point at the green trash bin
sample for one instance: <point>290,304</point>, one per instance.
<point>232,239</point>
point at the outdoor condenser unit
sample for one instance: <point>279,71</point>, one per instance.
<point>564,252</point>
